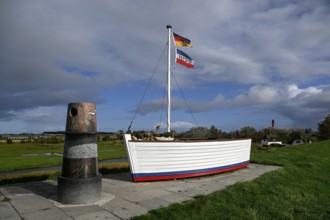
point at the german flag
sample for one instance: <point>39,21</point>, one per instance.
<point>181,41</point>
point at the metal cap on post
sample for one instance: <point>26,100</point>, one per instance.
<point>80,182</point>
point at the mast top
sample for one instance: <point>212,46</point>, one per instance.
<point>168,26</point>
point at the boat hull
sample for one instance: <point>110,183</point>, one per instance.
<point>154,160</point>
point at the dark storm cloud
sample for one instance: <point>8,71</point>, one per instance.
<point>55,52</point>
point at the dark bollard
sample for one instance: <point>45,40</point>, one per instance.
<point>80,182</point>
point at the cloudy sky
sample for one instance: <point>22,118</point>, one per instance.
<point>255,61</point>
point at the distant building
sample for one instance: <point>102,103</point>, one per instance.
<point>13,137</point>
<point>270,139</point>
<point>297,142</point>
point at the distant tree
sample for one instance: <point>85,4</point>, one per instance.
<point>173,133</point>
<point>248,132</point>
<point>275,134</point>
<point>9,141</point>
<point>215,132</point>
<point>310,135</point>
<point>119,134</point>
<point>324,128</point>
<point>308,131</point>
<point>296,134</point>
<point>233,134</point>
<point>197,132</point>
<point>106,138</point>
<point>54,140</point>
<point>283,135</point>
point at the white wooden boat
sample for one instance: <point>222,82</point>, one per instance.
<point>161,160</point>
<point>172,159</point>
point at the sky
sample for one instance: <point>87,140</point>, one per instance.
<point>255,61</point>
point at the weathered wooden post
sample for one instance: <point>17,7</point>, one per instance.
<point>80,182</point>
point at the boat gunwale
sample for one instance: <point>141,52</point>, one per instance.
<point>188,140</point>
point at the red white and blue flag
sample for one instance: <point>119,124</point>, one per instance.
<point>183,59</point>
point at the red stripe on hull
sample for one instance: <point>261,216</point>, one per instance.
<point>180,176</point>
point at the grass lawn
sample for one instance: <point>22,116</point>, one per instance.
<point>11,155</point>
<point>300,190</point>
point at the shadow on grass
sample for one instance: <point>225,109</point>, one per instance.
<point>50,175</point>
<point>29,177</point>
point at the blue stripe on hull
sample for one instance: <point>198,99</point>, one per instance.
<point>137,176</point>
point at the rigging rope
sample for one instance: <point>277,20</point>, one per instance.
<point>145,91</point>
<point>184,98</point>
<point>161,114</point>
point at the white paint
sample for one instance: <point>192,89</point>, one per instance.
<point>81,151</point>
<point>154,156</point>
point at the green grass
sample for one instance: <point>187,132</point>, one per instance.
<point>11,154</point>
<point>300,190</point>
<point>111,150</point>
